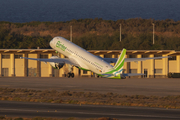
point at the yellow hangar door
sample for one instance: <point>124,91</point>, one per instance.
<point>32,66</point>
<point>19,65</point>
<point>5,72</point>
<point>6,66</point>
<point>55,72</point>
<point>44,67</point>
<point>44,70</point>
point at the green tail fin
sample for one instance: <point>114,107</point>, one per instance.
<point>120,62</point>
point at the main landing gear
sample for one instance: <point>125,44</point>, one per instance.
<point>70,75</point>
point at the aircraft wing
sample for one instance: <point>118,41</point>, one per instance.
<point>113,60</point>
<point>58,60</point>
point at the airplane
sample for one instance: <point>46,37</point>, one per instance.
<point>82,59</point>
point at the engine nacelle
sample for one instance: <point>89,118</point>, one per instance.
<point>56,65</point>
<point>122,76</point>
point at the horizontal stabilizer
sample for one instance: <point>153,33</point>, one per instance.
<point>107,74</point>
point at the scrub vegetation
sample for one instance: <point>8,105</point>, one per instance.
<point>94,34</point>
<point>70,97</point>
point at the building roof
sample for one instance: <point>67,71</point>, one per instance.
<point>164,52</point>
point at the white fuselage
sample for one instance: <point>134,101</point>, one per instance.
<point>84,59</point>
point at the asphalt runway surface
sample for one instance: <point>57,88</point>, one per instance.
<point>134,86</point>
<point>27,109</point>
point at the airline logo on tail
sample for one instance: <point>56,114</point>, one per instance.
<point>118,68</point>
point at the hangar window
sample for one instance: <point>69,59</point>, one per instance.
<point>158,71</point>
<point>18,56</point>
<point>172,58</point>
<point>84,72</point>
<point>133,70</point>
<point>107,56</point>
<point>116,55</point>
<point>156,55</point>
<point>5,56</point>
<point>43,56</point>
<point>145,56</point>
<point>132,56</point>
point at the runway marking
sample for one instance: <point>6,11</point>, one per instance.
<point>130,115</point>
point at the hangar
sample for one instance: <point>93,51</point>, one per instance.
<point>12,66</point>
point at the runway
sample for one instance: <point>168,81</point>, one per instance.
<point>135,86</point>
<point>27,109</point>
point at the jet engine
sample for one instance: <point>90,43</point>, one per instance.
<point>122,76</point>
<point>56,65</point>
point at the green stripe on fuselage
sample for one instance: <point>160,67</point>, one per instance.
<point>83,69</point>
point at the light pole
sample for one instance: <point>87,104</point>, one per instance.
<point>153,32</point>
<point>120,32</point>
<point>71,33</point>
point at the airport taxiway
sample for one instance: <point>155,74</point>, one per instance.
<point>134,86</point>
<point>27,109</point>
